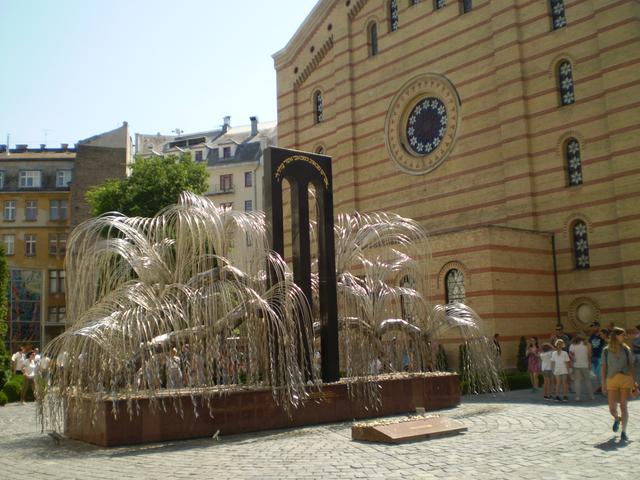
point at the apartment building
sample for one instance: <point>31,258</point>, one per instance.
<point>42,198</point>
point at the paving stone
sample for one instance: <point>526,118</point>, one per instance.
<point>515,435</point>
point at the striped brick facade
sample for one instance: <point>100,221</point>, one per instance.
<point>500,197</point>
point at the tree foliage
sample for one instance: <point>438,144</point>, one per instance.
<point>4,309</point>
<point>154,183</point>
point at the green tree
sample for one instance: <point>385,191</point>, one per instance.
<point>5,358</point>
<point>154,183</point>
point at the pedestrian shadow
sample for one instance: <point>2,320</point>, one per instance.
<point>611,445</point>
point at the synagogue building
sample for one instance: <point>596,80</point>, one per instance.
<point>509,130</point>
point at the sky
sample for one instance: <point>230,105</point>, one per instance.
<point>70,69</point>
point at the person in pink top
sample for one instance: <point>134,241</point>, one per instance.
<point>533,362</point>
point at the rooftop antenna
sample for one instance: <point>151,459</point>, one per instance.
<point>8,146</point>
<point>178,131</point>
<point>46,131</point>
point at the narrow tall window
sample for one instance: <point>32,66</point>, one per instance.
<point>318,107</point>
<point>198,156</point>
<point>226,152</point>
<point>465,6</point>
<point>29,245</point>
<point>406,298</point>
<point>58,209</point>
<point>248,179</point>
<point>57,244</point>
<point>226,183</point>
<point>31,210</point>
<point>1,180</point>
<point>558,16</point>
<point>574,162</point>
<point>438,4</point>
<point>56,281</point>
<point>454,286</point>
<point>393,15</point>
<point>248,205</point>
<point>9,212</point>
<point>9,244</point>
<point>63,178</point>
<point>373,39</point>
<point>565,83</point>
<point>580,245</point>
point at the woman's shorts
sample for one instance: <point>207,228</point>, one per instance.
<point>547,374</point>
<point>620,381</point>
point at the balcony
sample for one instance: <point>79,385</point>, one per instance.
<point>222,189</point>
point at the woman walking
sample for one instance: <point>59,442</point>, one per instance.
<point>617,379</point>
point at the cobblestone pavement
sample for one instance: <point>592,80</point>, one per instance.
<point>515,435</point>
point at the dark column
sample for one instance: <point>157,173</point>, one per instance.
<point>327,279</point>
<point>300,169</point>
<point>301,247</point>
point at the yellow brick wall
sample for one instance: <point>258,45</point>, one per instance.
<point>507,167</point>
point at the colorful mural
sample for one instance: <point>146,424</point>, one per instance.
<point>25,307</point>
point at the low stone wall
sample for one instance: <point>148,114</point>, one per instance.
<point>254,410</point>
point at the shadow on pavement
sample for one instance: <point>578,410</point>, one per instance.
<point>611,445</point>
<point>528,397</point>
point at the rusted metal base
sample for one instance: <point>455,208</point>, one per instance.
<point>254,410</point>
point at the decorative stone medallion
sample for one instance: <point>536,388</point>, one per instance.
<point>422,123</point>
<point>583,311</point>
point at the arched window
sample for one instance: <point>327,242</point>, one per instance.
<point>580,245</point>
<point>318,107</point>
<point>406,301</point>
<point>558,17</point>
<point>373,39</point>
<point>574,162</point>
<point>465,6</point>
<point>454,286</point>
<point>393,15</point>
<point>565,83</point>
<point>438,4</point>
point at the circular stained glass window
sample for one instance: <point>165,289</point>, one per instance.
<point>426,125</point>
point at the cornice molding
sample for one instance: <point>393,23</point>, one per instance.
<point>357,7</point>
<point>309,26</point>
<point>315,61</point>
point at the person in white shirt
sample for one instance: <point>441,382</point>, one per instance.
<point>547,370</point>
<point>29,370</point>
<point>560,361</point>
<point>17,360</point>
<point>580,352</point>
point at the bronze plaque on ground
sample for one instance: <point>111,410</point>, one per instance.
<point>405,431</point>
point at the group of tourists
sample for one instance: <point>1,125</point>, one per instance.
<point>27,363</point>
<point>606,361</point>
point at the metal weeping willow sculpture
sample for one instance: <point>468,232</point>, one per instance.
<point>195,300</point>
